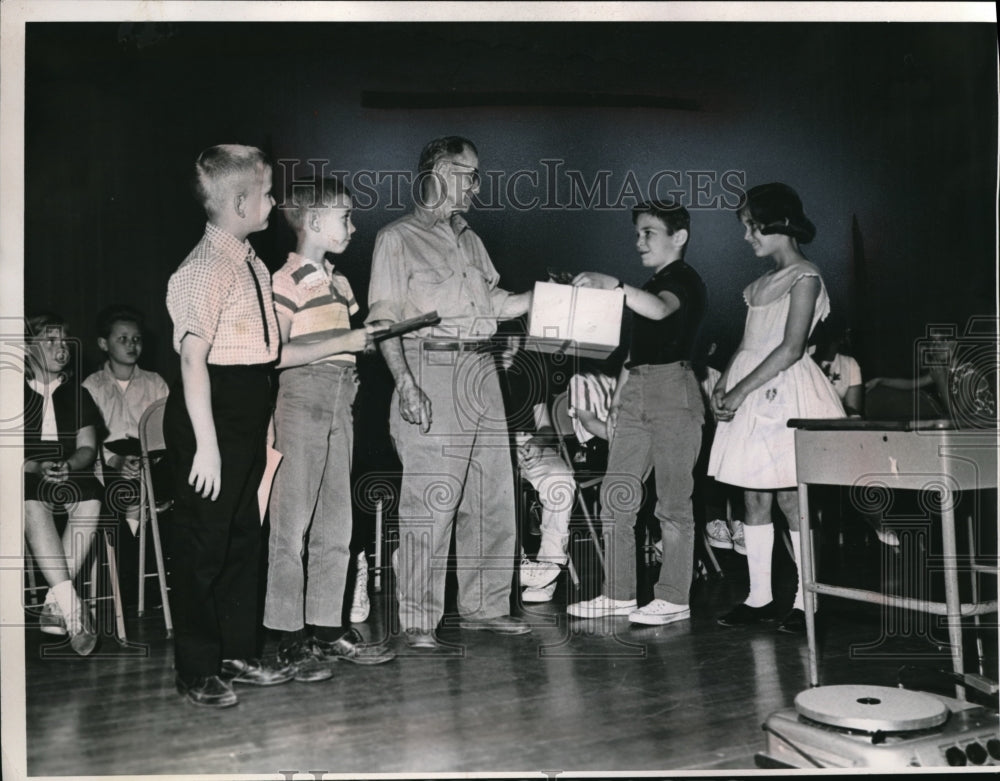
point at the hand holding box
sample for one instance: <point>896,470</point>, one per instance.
<point>582,319</point>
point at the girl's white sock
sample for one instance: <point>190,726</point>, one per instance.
<point>759,542</point>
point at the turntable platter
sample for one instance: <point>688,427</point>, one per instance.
<point>871,708</point>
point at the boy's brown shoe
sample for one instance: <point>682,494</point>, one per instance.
<point>255,672</point>
<point>351,647</point>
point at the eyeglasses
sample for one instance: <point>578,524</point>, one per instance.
<point>473,171</point>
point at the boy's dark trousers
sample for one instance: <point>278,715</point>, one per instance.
<point>215,545</point>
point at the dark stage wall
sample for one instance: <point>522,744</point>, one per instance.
<point>892,124</point>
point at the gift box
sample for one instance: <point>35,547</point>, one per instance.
<point>581,320</point>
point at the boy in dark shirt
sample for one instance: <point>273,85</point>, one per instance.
<point>654,421</point>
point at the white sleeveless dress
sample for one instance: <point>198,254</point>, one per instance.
<point>756,449</point>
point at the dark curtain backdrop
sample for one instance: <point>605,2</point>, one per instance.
<point>888,131</point>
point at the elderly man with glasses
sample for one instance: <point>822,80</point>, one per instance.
<point>447,415</point>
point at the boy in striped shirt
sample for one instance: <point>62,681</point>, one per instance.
<point>314,431</point>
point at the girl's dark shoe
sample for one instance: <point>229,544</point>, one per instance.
<point>744,615</point>
<point>794,623</point>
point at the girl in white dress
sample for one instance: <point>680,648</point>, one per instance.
<point>769,380</point>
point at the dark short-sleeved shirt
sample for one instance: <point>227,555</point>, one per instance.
<point>657,342</point>
<point>74,409</point>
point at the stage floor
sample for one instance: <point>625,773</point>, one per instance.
<point>576,695</point>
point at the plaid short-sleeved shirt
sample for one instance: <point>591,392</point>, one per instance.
<point>212,295</point>
<point>318,301</point>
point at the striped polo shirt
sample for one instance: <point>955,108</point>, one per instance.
<point>318,301</point>
<point>590,392</point>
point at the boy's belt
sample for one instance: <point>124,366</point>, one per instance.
<point>633,366</point>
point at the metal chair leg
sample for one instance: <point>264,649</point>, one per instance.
<point>143,518</point>
<point>116,594</point>
<point>161,571</point>
<point>590,525</point>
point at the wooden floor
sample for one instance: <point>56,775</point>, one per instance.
<point>575,695</point>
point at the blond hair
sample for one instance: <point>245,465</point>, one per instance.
<point>224,170</point>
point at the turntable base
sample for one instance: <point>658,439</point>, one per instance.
<point>879,727</point>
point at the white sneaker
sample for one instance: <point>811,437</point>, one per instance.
<point>887,537</point>
<point>601,606</point>
<point>50,620</point>
<point>739,541</point>
<point>717,534</point>
<point>543,594</point>
<point>361,606</point>
<point>658,612</point>
<point>537,574</point>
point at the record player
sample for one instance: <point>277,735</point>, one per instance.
<point>879,727</point>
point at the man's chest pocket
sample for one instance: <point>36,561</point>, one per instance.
<point>430,288</point>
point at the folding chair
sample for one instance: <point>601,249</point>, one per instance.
<point>151,440</point>
<point>563,425</point>
<point>32,587</point>
<point>93,584</point>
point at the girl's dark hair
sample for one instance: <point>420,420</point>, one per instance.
<point>777,208</point>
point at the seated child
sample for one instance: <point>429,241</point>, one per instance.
<point>122,392</point>
<point>526,384</point>
<point>590,393</point>
<point>831,351</point>
<point>60,444</point>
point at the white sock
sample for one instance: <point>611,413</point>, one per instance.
<point>132,519</point>
<point>759,541</point>
<point>797,550</point>
<point>553,548</point>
